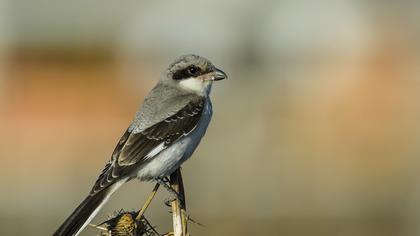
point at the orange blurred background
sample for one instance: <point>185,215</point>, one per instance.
<point>315,132</point>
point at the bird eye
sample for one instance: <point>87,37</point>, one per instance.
<point>193,70</point>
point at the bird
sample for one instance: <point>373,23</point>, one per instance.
<point>165,132</point>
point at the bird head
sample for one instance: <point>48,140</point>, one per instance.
<point>193,73</point>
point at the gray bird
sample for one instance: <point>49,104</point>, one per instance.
<point>165,132</point>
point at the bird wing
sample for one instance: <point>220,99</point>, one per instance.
<point>136,148</point>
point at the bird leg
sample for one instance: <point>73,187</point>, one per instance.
<point>175,195</point>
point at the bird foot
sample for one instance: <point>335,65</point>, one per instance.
<point>175,195</point>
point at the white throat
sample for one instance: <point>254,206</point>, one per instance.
<point>201,87</point>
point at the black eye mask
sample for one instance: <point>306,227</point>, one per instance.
<point>190,71</point>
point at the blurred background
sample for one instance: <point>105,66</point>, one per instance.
<point>315,133</point>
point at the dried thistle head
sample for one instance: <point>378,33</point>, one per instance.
<point>124,223</point>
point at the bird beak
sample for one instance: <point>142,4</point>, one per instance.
<point>219,75</point>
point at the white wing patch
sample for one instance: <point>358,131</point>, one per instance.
<point>155,151</point>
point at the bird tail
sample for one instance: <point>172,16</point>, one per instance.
<point>85,212</point>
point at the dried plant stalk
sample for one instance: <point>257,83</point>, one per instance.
<point>178,209</point>
<point>148,201</point>
<point>179,216</point>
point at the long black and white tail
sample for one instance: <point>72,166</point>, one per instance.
<point>85,212</point>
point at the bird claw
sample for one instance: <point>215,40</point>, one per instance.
<point>168,201</point>
<point>174,197</point>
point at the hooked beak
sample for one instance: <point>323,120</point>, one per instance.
<point>218,75</point>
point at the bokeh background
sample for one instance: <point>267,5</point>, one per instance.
<point>315,133</point>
